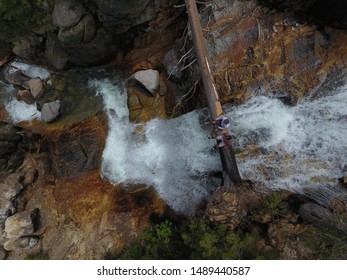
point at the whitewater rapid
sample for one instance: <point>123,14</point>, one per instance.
<point>301,148</point>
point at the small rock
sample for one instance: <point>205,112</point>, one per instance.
<point>36,87</point>
<point>22,224</point>
<point>16,78</point>
<point>50,111</point>
<point>148,78</point>
<point>25,96</point>
<point>12,186</point>
<point>6,208</point>
<point>20,243</point>
<point>29,177</point>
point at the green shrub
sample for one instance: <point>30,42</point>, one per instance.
<point>37,256</point>
<point>193,239</point>
<point>22,17</point>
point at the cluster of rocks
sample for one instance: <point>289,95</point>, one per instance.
<point>17,229</point>
<point>29,90</point>
<point>282,221</point>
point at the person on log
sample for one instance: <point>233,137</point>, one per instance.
<point>221,123</point>
<point>223,139</point>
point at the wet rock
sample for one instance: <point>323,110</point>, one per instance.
<point>84,31</point>
<point>50,111</point>
<point>12,186</point>
<point>149,79</point>
<point>171,59</point>
<point>27,47</point>
<point>124,14</point>
<point>20,243</point>
<point>16,78</point>
<point>67,13</point>
<point>22,224</point>
<point>100,49</point>
<point>36,87</point>
<point>55,54</point>
<point>25,96</point>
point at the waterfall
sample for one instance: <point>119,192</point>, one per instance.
<point>300,148</point>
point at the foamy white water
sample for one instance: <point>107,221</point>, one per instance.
<point>30,70</point>
<point>173,156</point>
<point>301,148</point>
<point>20,111</point>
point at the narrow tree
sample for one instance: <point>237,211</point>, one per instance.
<point>231,175</point>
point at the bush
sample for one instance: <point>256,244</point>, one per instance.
<point>22,17</point>
<point>192,239</point>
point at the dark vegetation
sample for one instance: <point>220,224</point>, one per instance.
<point>19,18</point>
<point>195,238</point>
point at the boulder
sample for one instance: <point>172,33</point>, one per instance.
<point>82,32</point>
<point>36,87</point>
<point>50,111</point>
<point>55,54</point>
<point>6,208</point>
<point>121,15</point>
<point>67,13</point>
<point>20,243</point>
<point>25,96</point>
<point>171,59</point>
<point>100,49</point>
<point>12,186</point>
<point>149,79</point>
<point>22,224</point>
<point>27,47</point>
<point>2,254</point>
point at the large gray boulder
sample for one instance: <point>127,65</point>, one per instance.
<point>55,54</point>
<point>84,31</point>
<point>67,13</point>
<point>6,208</point>
<point>50,111</point>
<point>120,15</point>
<point>22,224</point>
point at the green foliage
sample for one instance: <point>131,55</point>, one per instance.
<point>325,245</point>
<point>270,206</point>
<point>193,239</point>
<point>37,256</point>
<point>21,17</point>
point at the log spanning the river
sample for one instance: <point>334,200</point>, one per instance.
<point>231,175</point>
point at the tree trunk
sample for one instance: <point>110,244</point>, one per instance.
<point>231,175</point>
